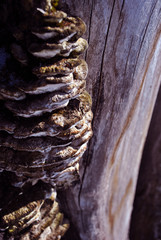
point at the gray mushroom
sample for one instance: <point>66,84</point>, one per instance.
<point>51,50</point>
<point>36,105</point>
<point>68,28</point>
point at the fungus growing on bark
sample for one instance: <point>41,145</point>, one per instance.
<point>45,122</point>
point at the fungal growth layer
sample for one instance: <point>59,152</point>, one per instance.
<point>45,117</point>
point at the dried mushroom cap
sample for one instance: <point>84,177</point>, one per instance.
<point>56,157</point>
<point>50,50</point>
<point>75,131</point>
<point>56,161</point>
<point>62,67</point>
<point>42,86</point>
<point>34,137</point>
<point>43,143</point>
<point>60,179</point>
<point>23,217</point>
<point>46,87</point>
<point>76,114</point>
<point>58,79</point>
<point>52,155</point>
<point>8,82</point>
<point>50,226</point>
<point>36,105</point>
<point>65,178</point>
<point>81,71</point>
<point>52,167</point>
<point>68,28</point>
<point>37,109</point>
<point>38,216</point>
<point>83,139</point>
<point>47,84</point>
<point>31,144</point>
<point>47,127</point>
<point>11,93</point>
<point>51,78</point>
<point>52,16</point>
<point>60,154</point>
<point>19,158</point>
<point>72,114</point>
<point>49,174</point>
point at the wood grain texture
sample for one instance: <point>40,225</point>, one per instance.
<point>124,77</point>
<point>146,224</point>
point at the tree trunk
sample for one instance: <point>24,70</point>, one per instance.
<point>147,206</point>
<point>124,78</point>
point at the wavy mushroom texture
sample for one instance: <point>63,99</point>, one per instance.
<point>45,117</point>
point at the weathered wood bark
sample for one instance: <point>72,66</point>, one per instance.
<point>124,78</point>
<point>146,216</point>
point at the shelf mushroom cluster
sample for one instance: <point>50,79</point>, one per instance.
<point>45,117</point>
<point>42,217</point>
<point>45,122</point>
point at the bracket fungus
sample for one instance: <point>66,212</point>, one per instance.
<point>45,117</point>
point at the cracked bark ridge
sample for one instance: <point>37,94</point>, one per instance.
<point>45,122</point>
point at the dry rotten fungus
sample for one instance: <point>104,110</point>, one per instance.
<point>40,215</point>
<point>45,118</point>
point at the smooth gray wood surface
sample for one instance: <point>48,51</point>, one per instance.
<point>124,77</point>
<point>146,217</point>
